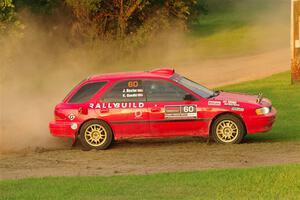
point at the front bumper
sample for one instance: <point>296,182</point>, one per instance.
<point>261,123</point>
<point>63,129</point>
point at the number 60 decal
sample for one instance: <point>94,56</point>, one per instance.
<point>133,84</point>
<point>189,109</point>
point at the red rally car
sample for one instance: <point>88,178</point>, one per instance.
<point>158,103</point>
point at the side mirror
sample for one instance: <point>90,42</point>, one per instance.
<point>189,97</point>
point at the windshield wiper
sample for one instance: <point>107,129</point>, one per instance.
<point>216,93</point>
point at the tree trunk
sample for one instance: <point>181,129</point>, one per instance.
<point>122,26</point>
<point>121,21</point>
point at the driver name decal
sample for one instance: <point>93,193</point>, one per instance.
<point>134,90</point>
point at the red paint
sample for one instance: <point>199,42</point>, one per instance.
<point>148,119</point>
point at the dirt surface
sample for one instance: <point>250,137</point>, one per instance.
<point>218,72</point>
<point>145,157</point>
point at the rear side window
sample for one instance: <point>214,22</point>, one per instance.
<point>86,92</point>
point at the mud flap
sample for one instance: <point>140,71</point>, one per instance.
<point>209,140</point>
<point>74,141</point>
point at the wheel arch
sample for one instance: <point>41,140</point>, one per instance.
<point>90,119</point>
<point>226,113</point>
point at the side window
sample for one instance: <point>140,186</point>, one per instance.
<point>160,90</point>
<point>125,91</point>
<point>86,92</point>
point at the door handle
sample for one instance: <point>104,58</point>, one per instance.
<point>156,109</point>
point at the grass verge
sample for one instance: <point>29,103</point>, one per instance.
<point>279,182</point>
<point>236,28</point>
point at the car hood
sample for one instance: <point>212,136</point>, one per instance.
<point>239,97</point>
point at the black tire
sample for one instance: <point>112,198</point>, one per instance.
<point>99,129</point>
<point>228,129</point>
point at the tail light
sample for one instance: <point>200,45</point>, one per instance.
<point>58,115</point>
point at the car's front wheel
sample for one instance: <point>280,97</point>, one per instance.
<point>95,134</point>
<point>228,129</point>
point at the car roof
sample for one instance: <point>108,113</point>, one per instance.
<point>155,73</point>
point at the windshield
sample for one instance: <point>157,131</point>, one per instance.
<point>195,87</point>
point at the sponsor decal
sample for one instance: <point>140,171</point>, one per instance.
<point>71,117</point>
<point>74,126</point>
<point>237,109</point>
<point>230,103</point>
<point>117,105</point>
<point>181,111</point>
<point>214,103</point>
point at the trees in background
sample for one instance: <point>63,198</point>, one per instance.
<point>103,19</point>
<point>115,19</point>
<point>8,19</point>
<point>107,20</point>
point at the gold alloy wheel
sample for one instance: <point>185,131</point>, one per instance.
<point>227,131</point>
<point>95,135</point>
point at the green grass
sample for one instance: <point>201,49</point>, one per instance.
<point>285,98</point>
<point>280,182</point>
<point>234,28</point>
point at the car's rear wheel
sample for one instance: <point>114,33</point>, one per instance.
<point>95,134</point>
<point>228,129</point>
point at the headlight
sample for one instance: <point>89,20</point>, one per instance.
<point>262,111</point>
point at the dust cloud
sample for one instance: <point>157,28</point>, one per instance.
<point>40,67</point>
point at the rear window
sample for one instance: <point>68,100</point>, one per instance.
<point>73,89</point>
<point>86,92</point>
